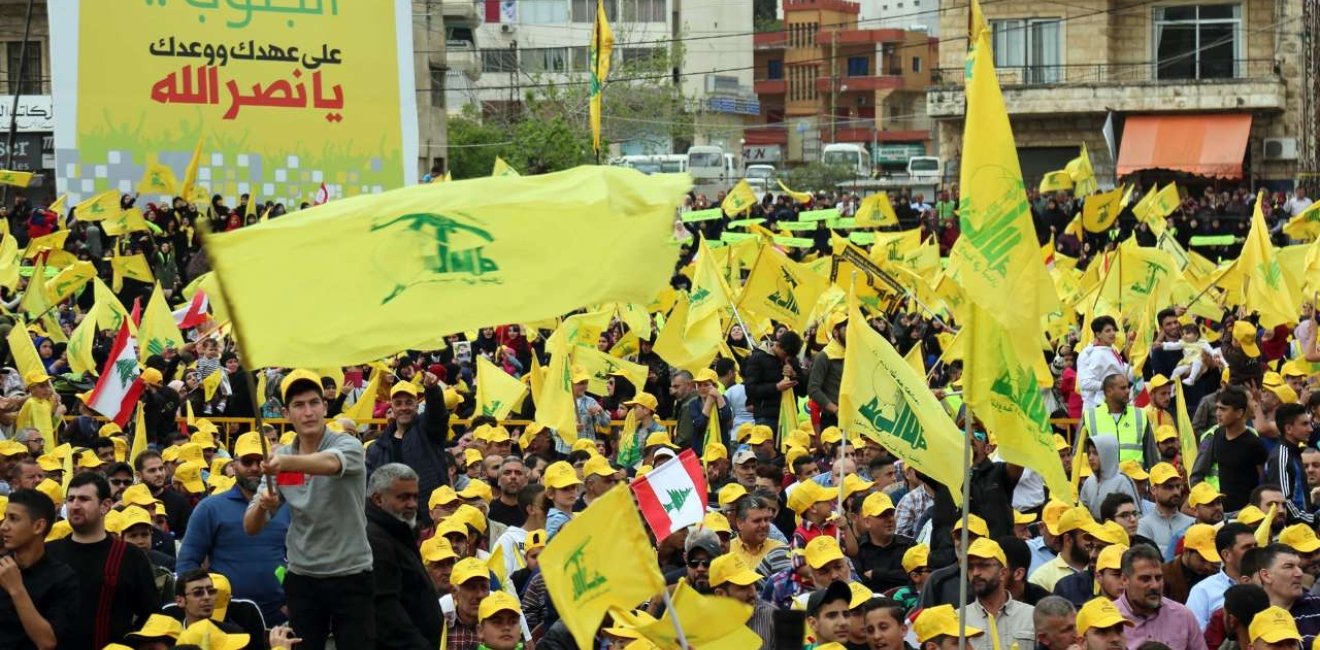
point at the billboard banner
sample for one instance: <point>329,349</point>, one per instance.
<point>283,95</point>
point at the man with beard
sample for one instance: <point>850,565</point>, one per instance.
<point>1207,503</point>
<point>216,538</point>
<point>1198,560</point>
<point>1167,519</point>
<point>151,471</point>
<point>1168,444</point>
<point>512,479</point>
<point>407,610</point>
<point>93,554</point>
<point>1155,618</point>
<point>418,442</point>
<point>995,610</point>
<point>1078,532</point>
<point>1102,626</point>
<point>1158,412</point>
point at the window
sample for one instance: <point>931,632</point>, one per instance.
<point>461,36</point>
<point>916,64</point>
<point>542,12</point>
<point>499,61</point>
<point>643,11</point>
<point>579,58</point>
<point>437,86</point>
<point>545,59</point>
<point>1033,45</point>
<point>29,82</point>
<point>859,66</point>
<point>774,69</point>
<point>584,11</point>
<point>640,55</point>
<point>1198,41</point>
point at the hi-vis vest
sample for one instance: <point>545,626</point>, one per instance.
<point>1130,430</point>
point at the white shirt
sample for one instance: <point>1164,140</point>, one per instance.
<point>1030,491</point>
<point>1295,206</point>
<point>1094,364</point>
<point>512,542</point>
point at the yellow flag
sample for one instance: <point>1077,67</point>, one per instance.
<point>584,576</point>
<point>1081,172</point>
<point>1306,225</point>
<point>16,179</point>
<point>444,257</point>
<point>70,280</point>
<point>81,341</point>
<point>139,433</point>
<point>53,242</point>
<point>1074,227</point>
<point>881,397</point>
<point>636,318</point>
<point>1263,531</point>
<point>781,289</point>
<point>10,261</point>
<point>1101,210</point>
<point>601,365</point>
<point>126,221</point>
<point>689,346</point>
<point>110,313</point>
<point>710,295</point>
<point>876,211</point>
<point>916,360</point>
<point>503,168</point>
<point>36,300</point>
<point>157,331</point>
<point>39,414</point>
<point>497,392</point>
<point>800,197</point>
<point>555,406</point>
<point>1056,181</point>
<point>536,378</point>
<point>189,188</point>
<point>99,207</point>
<point>58,208</point>
<point>211,384</point>
<point>158,179</point>
<point>739,199</point>
<point>1002,392</point>
<point>600,50</point>
<point>895,246</point>
<point>1186,434</point>
<point>363,408</point>
<point>208,283</point>
<point>25,355</point>
<point>1266,286</point>
<point>133,267</point>
<point>996,259</point>
<point>709,622</point>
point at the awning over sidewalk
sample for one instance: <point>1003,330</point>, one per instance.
<point>1201,144</point>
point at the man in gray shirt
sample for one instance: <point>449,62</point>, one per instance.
<point>322,476</point>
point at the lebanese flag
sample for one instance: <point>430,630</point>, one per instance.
<point>194,313</point>
<point>117,391</point>
<point>322,195</point>
<point>673,495</point>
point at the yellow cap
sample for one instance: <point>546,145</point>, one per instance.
<point>916,557</point>
<point>472,456</point>
<point>645,400</point>
<point>1162,473</point>
<point>497,601</point>
<point>451,526</point>
<point>584,444</point>
<point>470,516</point>
<point>529,433</point>
<point>939,621</point>
<point>580,374</point>
<point>1051,514</point>
<point>204,425</point>
<point>249,444</point>
<point>476,490</point>
<point>1061,443</point>
<point>798,437</point>
<point>975,525</point>
<point>288,437</point>
<point>597,466</point>
<point>707,376</point>
<point>223,592</point>
<point>1202,494</point>
<point>1165,432</point>
<point>730,493</point>
<point>1284,392</point>
<point>158,626</point>
<point>860,594</point>
<point>1110,532</point>
<point>1293,368</point>
<point>468,568</point>
<point>1075,518</point>
<point>53,490</point>
<point>12,448</point>
<point>1111,557</point>
<point>190,476</point>
<point>1201,538</point>
<point>794,452</point>
<point>1023,518</point>
<point>498,434</point>
<point>728,568</point>
<point>1132,469</point>
<point>560,475</point>
<point>134,516</point>
<point>404,388</point>
<point>207,635</point>
<point>191,452</point>
<point>1244,334</point>
<point>1300,537</point>
<point>760,434</point>
<point>59,530</point>
<point>1274,624</point>
<point>1250,515</point>
<point>109,429</point>
<point>659,439</point>
<point>1099,613</point>
<point>114,522</point>
<point>49,463</point>
<point>1271,378</point>
<point>714,451</point>
<point>987,549</point>
<point>152,377</point>
<point>437,549</point>
<point>831,435</point>
<point>139,495</point>
<point>203,439</point>
<point>716,522</point>
<point>852,484</point>
<point>876,504</point>
<point>301,374</point>
<point>89,460</point>
<point>441,496</point>
<point>822,550</point>
<point>1156,382</point>
<point>743,430</point>
<point>808,493</point>
<point>535,539</point>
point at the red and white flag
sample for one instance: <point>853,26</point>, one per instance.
<point>322,195</point>
<point>194,313</point>
<point>673,495</point>
<point>120,385</point>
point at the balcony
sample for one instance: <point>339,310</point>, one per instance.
<point>858,84</point>
<point>460,56</point>
<point>763,135</point>
<point>826,37</point>
<point>822,5</point>
<point>770,41</point>
<point>1130,88</point>
<point>770,86</point>
<point>468,10</point>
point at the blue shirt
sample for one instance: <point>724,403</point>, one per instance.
<point>1040,553</point>
<point>215,531</point>
<point>554,520</point>
<point>1207,596</point>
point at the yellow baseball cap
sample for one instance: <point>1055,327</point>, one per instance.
<point>1162,473</point>
<point>1110,532</point>
<point>498,434</point>
<point>1293,368</point>
<point>987,549</point>
<point>476,490</point>
<point>530,432</point>
<point>1156,382</point>
<point>1099,613</point>
<point>205,634</point>
<point>470,516</point>
<point>659,439</point>
<point>1023,518</point>
<point>714,451</point>
<point>645,400</point>
<point>560,475</point>
<point>1284,392</point>
<point>975,525</point>
<point>716,522</point>
<point>114,522</point>
<point>876,504</point>
<point>1165,432</point>
<point>298,375</point>
<point>451,526</point>
<point>1051,514</point>
<point>916,557</point>
<point>157,626</point>
<point>108,429</point>
<point>468,568</point>
<point>794,452</point>
<point>728,568</point>
<point>1274,624</point>
<point>1250,515</point>
<point>191,452</point>
<point>808,493</point>
<point>139,495</point>
<point>1075,518</point>
<point>535,539</point>
<point>822,550</point>
<point>743,430</point>
<point>1201,538</point>
<point>1300,537</point>
<point>860,594</point>
<point>831,435</point>
<point>59,530</point>
<point>580,374</point>
<point>497,601</point>
<point>190,476</point>
<point>1111,557</point>
<point>89,460</point>
<point>152,377</point>
<point>404,388</point>
<point>760,434</point>
<point>1061,443</point>
<point>1132,469</point>
<point>799,438</point>
<point>437,549</point>
<point>249,444</point>
<point>203,439</point>
<point>1244,334</point>
<point>852,484</point>
<point>597,466</point>
<point>49,463</point>
<point>441,496</point>
<point>939,621</point>
<point>472,456</point>
<point>584,444</point>
<point>1202,494</point>
<point>134,516</point>
<point>706,375</point>
<point>730,493</point>
<point>1271,378</point>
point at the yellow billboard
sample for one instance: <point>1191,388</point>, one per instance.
<point>283,95</point>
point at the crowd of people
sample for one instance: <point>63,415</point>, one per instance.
<point>421,524</point>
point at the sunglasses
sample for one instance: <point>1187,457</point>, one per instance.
<point>203,591</point>
<point>121,481</point>
<point>693,564</point>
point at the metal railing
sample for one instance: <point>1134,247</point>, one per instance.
<point>1176,72</point>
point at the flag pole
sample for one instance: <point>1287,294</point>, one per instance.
<point>966,511</point>
<point>673,616</point>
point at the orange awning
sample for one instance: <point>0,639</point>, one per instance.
<point>1201,144</point>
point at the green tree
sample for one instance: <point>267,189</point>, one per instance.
<point>473,145</point>
<point>818,177</point>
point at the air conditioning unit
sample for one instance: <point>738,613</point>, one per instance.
<point>506,29</point>
<point>1280,148</point>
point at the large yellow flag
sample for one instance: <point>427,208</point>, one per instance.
<point>17,179</point>
<point>1186,434</point>
<point>875,211</point>
<point>1265,285</point>
<point>24,352</point>
<point>10,261</point>
<point>444,257</point>
<point>497,392</point>
<point>996,259</point>
<point>36,300</point>
<point>555,406</point>
<point>739,199</point>
<point>139,433</point>
<point>133,267</point>
<point>1100,211</point>
<point>1002,392</point>
<point>781,289</point>
<point>70,280</point>
<point>52,243</point>
<point>130,220</point>
<point>690,346</point>
<point>1306,225</point>
<point>99,207</point>
<point>110,313</point>
<point>81,341</point>
<point>363,408</point>
<point>708,622</point>
<point>601,48</point>
<point>1056,181</point>
<point>189,187</point>
<point>883,398</point>
<point>158,179</point>
<point>585,575</point>
<point>710,295</point>
<point>158,330</point>
<point>601,365</point>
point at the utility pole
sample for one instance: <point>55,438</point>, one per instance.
<point>13,108</point>
<point>513,87</point>
<point>834,81</point>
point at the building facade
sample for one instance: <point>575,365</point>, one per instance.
<point>829,78</point>
<point>1213,89</point>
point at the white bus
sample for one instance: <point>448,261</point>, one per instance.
<point>712,170</point>
<point>655,164</point>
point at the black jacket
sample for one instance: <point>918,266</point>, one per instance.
<point>160,407</point>
<point>762,371</point>
<point>422,446</point>
<point>407,608</point>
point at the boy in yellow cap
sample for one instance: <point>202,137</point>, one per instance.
<point>631,443</point>
<point>1101,626</point>
<point>499,617</point>
<point>916,564</point>
<point>937,628</point>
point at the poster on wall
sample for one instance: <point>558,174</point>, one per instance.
<point>283,95</point>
